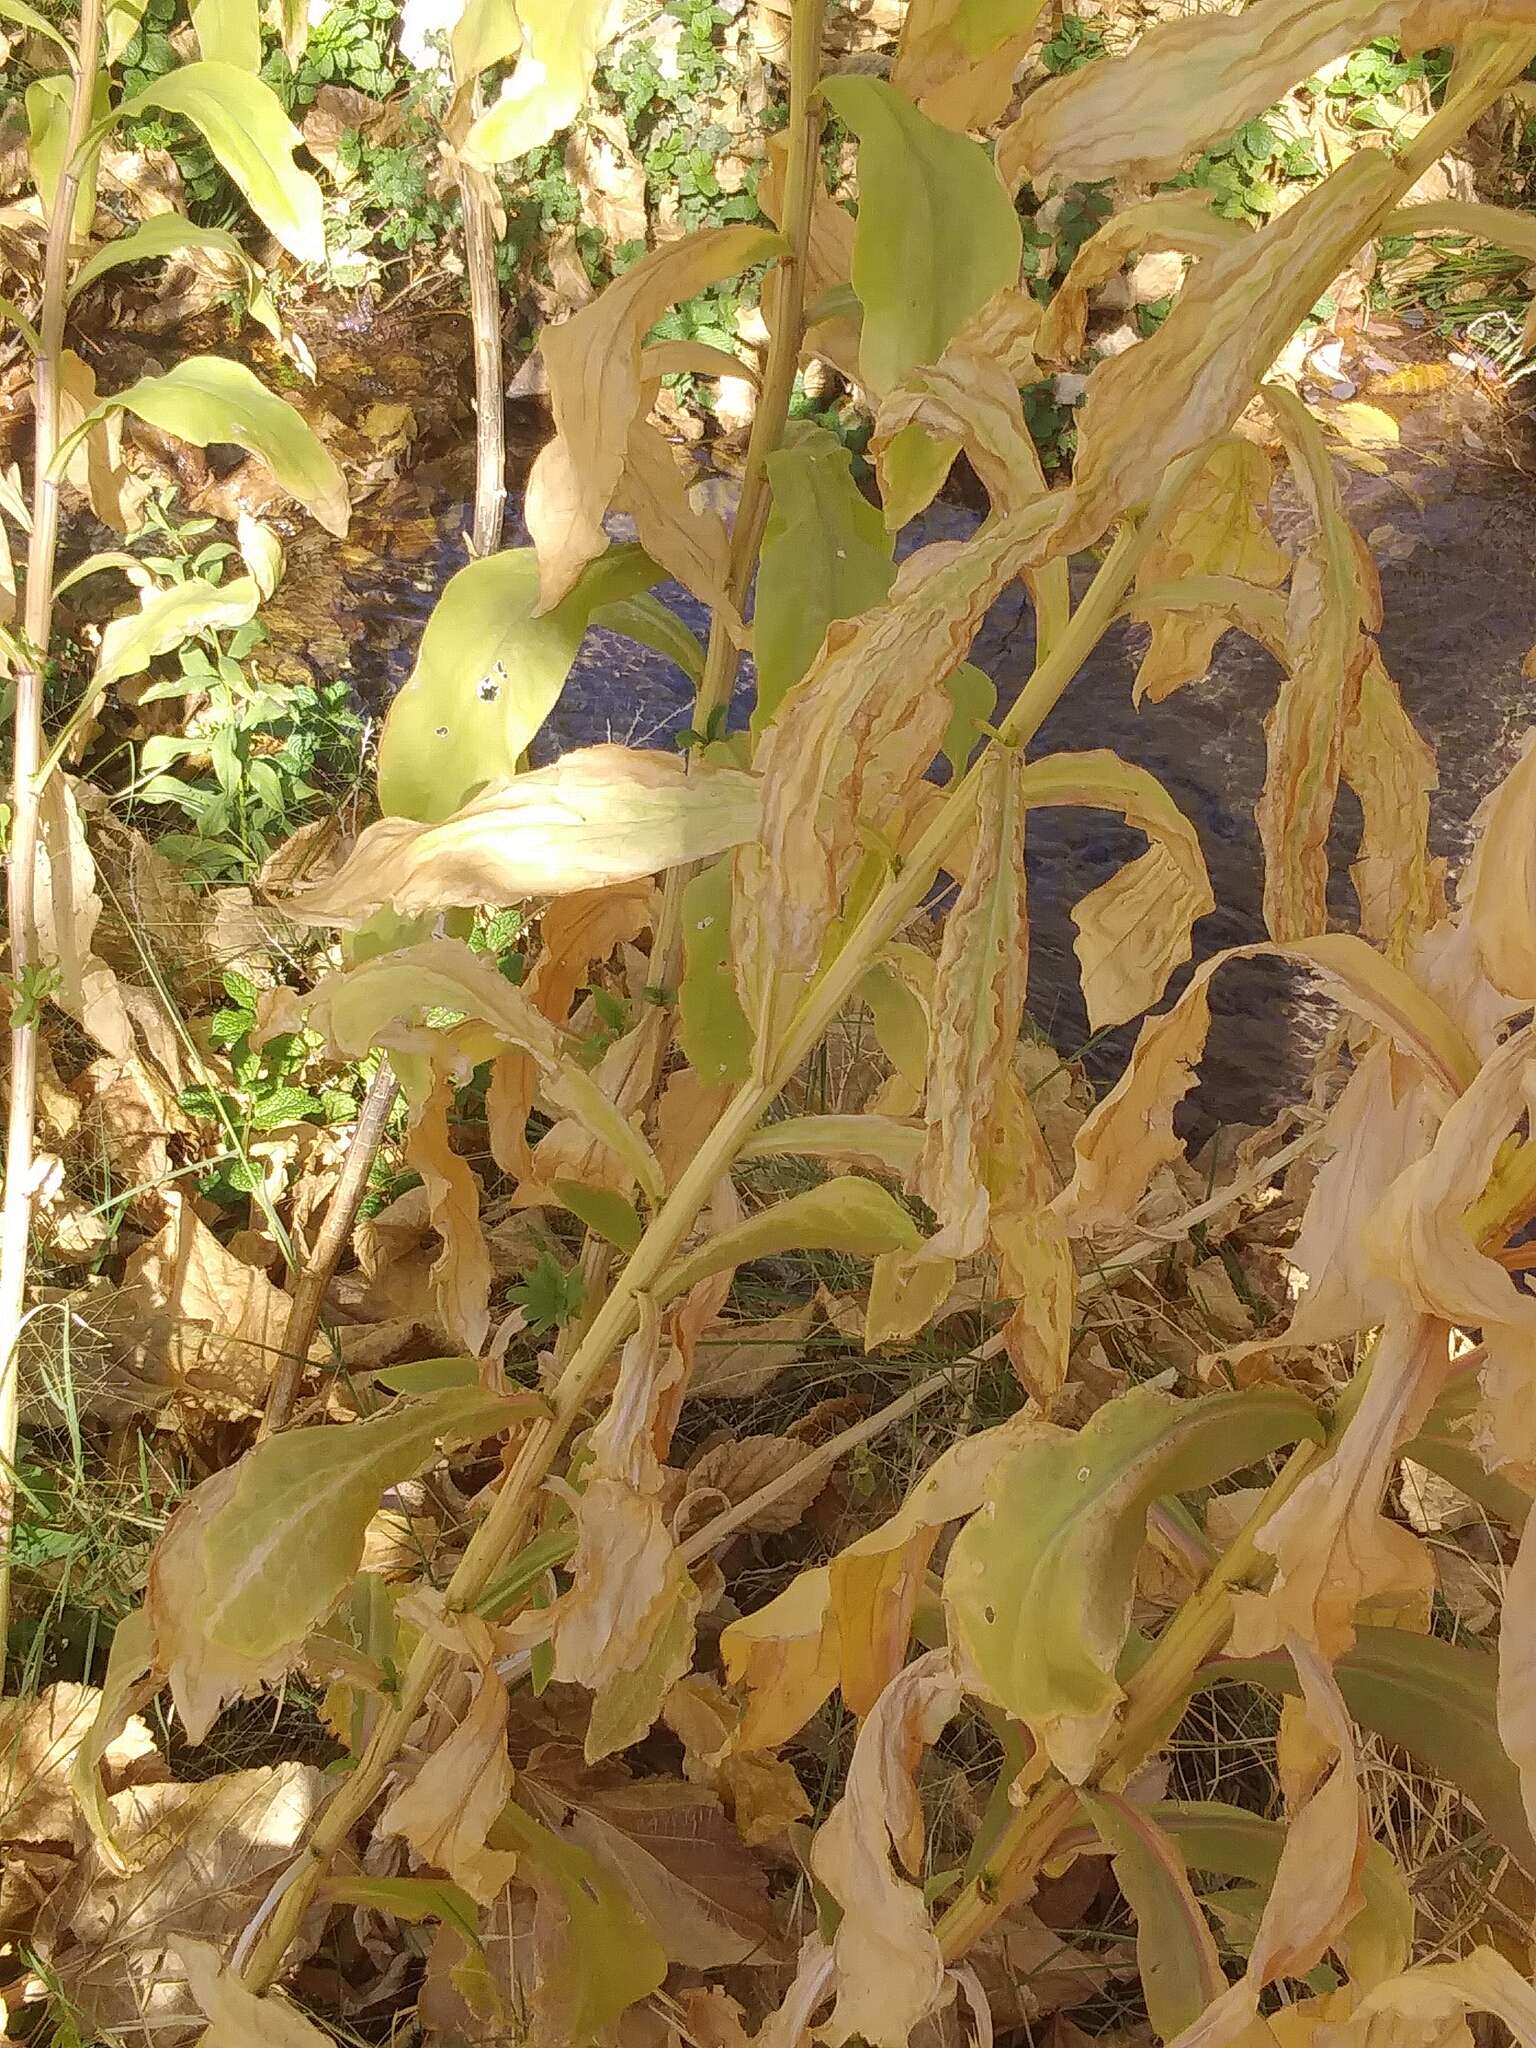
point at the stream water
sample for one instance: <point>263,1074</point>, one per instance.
<point>1453,525</point>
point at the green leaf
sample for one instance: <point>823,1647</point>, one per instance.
<point>163,234</point>
<point>600,1209</point>
<point>597,1956</point>
<point>209,398</point>
<point>1175,1950</point>
<point>408,1898</point>
<point>712,1026</point>
<point>848,1214</point>
<point>561,39</point>
<point>257,1556</point>
<point>243,123</point>
<point>1039,1581</point>
<point>1432,1698</point>
<point>429,1375</point>
<point>47,103</point>
<point>487,675</point>
<point>167,618</point>
<point>229,32</point>
<point>1228,1842</point>
<point>974,696</point>
<point>826,555</point>
<point>646,619</point>
<point>937,233</point>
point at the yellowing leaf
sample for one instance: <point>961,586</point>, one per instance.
<point>887,1967</point>
<point>242,121</point>
<point>66,909</point>
<point>978,1004</point>
<point>1182,222</point>
<point>1431,1995</point>
<point>957,58</point>
<point>906,1292</point>
<point>1135,929</point>
<point>624,1630</point>
<point>450,1806</point>
<point>1188,383</point>
<point>1391,768</point>
<point>164,234</point>
<point>560,42</point>
<point>1039,1581</point>
<point>124,1689</point>
<point>1499,888</point>
<point>1186,85</point>
<point>599,816</point>
<point>381,1001</point>
<point>487,32</point>
<point>786,1657</point>
<point>487,674</point>
<point>229,32</point>
<point>461,1274</point>
<point>1029,1242</point>
<point>595,387</point>
<point>1130,1133</point>
<point>165,619</point>
<point>1216,529</point>
<point>257,1556</point>
<point>208,398</point>
<point>848,1214</point>
<point>936,234</point>
<point>880,1144</point>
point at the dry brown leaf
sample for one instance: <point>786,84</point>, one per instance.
<point>690,542</point>
<point>763,1792</point>
<point>454,1800</point>
<point>624,1629</point>
<point>1029,1242</point>
<point>1499,887</point>
<point>39,1737</point>
<point>737,1468</point>
<point>201,1857</point>
<point>888,1971</point>
<point>461,1273</point>
<point>66,909</point>
<point>1391,768</point>
<point>1183,222</point>
<point>976,1010</point>
<point>222,1320</point>
<point>236,2017</point>
<point>593,364</point>
<point>741,1358</point>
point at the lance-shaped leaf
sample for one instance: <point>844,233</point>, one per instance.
<point>1427,1999</point>
<point>1499,888</point>
<point>691,542</point>
<point>624,1629</point>
<point>66,909</point>
<point>826,555</point>
<point>1135,929</point>
<point>978,1004</point>
<point>1168,396</point>
<point>1185,85</point>
<point>957,58</point>
<point>257,1556</point>
<point>600,816</point>
<point>209,398</point>
<point>887,1967</point>
<point>560,42</point>
<point>1176,1954</point>
<point>384,1000</point>
<point>1039,1581</point>
<point>167,234</point>
<point>1216,529</point>
<point>229,32</point>
<point>1130,1134</point>
<point>1029,1242</point>
<point>1433,1699</point>
<point>47,101</point>
<point>1390,766</point>
<point>243,123</point>
<point>487,674</point>
<point>936,234</point>
<point>848,1214</point>
<point>711,1025</point>
<point>847,746</point>
<point>125,1688</point>
<point>461,1274</point>
<point>165,619</point>
<point>880,1144</point>
<point>1504,226</point>
<point>1229,1842</point>
<point>595,389</point>
<point>1182,222</point>
<point>1335,601</point>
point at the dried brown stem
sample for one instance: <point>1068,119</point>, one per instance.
<point>26,783</point>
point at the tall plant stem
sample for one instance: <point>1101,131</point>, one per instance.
<point>477,200</point>
<point>500,1534</point>
<point>26,787</point>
